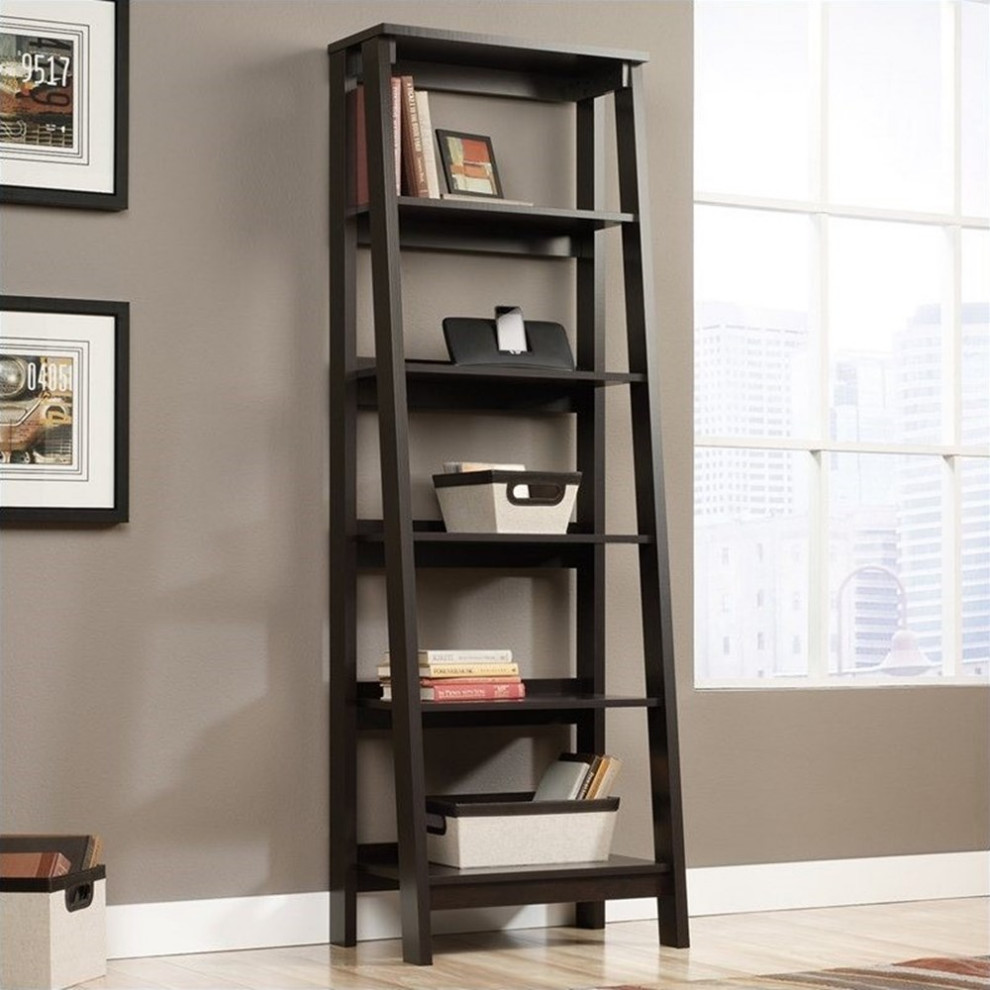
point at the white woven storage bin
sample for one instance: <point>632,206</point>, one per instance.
<point>53,931</point>
<point>507,501</point>
<point>492,830</point>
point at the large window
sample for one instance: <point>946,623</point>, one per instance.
<point>842,342</point>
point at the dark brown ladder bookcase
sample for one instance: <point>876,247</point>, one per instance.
<point>447,61</point>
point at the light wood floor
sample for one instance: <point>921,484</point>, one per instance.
<point>722,947</point>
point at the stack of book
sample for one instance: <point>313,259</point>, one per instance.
<point>34,856</point>
<point>578,777</point>
<point>416,172</point>
<point>462,675</point>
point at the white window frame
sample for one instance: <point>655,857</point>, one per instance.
<point>821,211</point>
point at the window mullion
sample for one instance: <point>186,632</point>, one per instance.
<point>952,567</point>
<point>951,111</point>
<point>951,351</point>
<point>841,210</point>
<point>951,104</point>
<point>818,313</point>
<point>818,569</point>
<point>818,110</point>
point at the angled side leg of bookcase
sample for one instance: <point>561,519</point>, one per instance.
<point>400,571</point>
<point>637,252</point>
<point>590,311</point>
<point>343,578</point>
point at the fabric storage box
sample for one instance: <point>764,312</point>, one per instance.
<point>53,931</point>
<point>507,501</point>
<point>471,830</point>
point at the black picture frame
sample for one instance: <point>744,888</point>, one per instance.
<point>64,430</point>
<point>453,145</point>
<point>58,145</point>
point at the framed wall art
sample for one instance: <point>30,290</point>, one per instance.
<point>63,103</point>
<point>469,164</point>
<point>63,410</point>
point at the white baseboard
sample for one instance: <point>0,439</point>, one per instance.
<point>823,883</point>
<point>837,882</point>
<point>179,927</point>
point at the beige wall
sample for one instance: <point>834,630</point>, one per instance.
<point>164,682</point>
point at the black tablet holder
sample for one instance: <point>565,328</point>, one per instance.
<point>507,340</point>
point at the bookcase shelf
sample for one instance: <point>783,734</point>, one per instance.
<point>615,878</point>
<point>398,545</point>
<point>490,227</point>
<point>548,701</point>
<point>435,547</point>
<point>439,386</point>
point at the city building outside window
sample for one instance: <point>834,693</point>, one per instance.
<point>842,342</point>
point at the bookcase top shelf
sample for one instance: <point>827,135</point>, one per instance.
<point>455,61</point>
<point>488,50</point>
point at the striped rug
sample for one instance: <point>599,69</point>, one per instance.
<point>971,973</point>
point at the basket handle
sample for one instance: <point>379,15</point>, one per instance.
<point>436,824</point>
<point>545,493</point>
<point>78,896</point>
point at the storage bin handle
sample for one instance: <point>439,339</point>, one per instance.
<point>544,493</point>
<point>78,896</point>
<point>436,824</point>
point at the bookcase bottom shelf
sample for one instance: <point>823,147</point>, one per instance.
<point>616,878</point>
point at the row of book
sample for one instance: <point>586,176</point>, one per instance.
<point>578,777</point>
<point>462,675</point>
<point>45,856</point>
<point>416,167</point>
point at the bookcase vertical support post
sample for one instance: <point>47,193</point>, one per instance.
<point>658,647</point>
<point>400,572</point>
<point>590,605</point>
<point>343,497</point>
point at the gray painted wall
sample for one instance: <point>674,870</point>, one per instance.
<point>164,682</point>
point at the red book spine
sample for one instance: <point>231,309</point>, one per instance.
<point>478,692</point>
<point>359,136</point>
<point>359,191</point>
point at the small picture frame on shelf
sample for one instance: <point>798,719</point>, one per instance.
<point>469,164</point>
<point>63,100</point>
<point>63,410</point>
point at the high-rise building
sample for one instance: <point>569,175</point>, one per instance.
<point>750,502</point>
<point>746,362</point>
<point>923,416</point>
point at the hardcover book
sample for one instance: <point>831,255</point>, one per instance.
<point>456,690</point>
<point>604,778</point>
<point>434,670</point>
<point>414,162</point>
<point>462,656</point>
<point>33,864</point>
<point>359,143</point>
<point>82,851</point>
<point>561,781</point>
<point>426,140</point>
